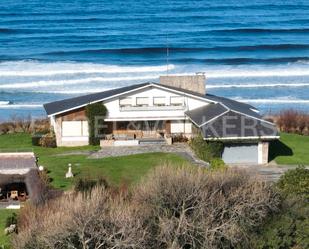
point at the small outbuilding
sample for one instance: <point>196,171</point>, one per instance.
<point>18,177</point>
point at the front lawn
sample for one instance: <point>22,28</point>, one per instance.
<point>291,149</point>
<point>120,170</point>
<point>126,169</point>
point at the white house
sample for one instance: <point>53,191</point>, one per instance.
<point>177,105</point>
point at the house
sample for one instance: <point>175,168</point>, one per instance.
<point>177,105</point>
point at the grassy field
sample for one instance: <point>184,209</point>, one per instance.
<point>126,169</point>
<point>291,149</point>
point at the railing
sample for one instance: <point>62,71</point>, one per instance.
<point>152,108</point>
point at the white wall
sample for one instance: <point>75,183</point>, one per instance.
<point>152,112</point>
<point>181,126</point>
<point>74,129</point>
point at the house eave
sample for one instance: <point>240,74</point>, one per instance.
<point>133,90</point>
<point>259,138</point>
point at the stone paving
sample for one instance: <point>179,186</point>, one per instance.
<point>178,148</point>
<point>271,172</point>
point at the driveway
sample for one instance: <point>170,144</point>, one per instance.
<point>270,172</point>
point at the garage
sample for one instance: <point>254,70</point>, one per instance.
<point>241,153</point>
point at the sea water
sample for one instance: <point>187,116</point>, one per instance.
<point>251,51</point>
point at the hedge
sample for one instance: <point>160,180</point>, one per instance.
<point>92,111</point>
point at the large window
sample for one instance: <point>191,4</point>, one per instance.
<point>159,101</point>
<point>74,128</point>
<point>177,101</point>
<point>142,101</point>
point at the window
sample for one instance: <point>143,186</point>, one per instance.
<point>125,102</point>
<point>177,101</point>
<point>142,101</point>
<point>74,128</point>
<point>159,101</point>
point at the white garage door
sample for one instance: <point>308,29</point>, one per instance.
<point>236,153</point>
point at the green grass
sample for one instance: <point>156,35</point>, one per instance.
<point>292,149</point>
<point>4,239</point>
<point>128,169</point>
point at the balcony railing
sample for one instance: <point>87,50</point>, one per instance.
<point>153,108</point>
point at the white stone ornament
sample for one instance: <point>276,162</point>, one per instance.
<point>69,174</point>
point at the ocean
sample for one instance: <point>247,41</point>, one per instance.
<point>251,51</point>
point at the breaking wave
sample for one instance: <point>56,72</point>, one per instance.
<point>274,101</point>
<point>32,68</point>
<point>270,85</point>
<point>20,106</point>
<point>46,83</point>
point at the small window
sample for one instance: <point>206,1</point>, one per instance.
<point>159,101</point>
<point>177,101</point>
<point>142,101</point>
<point>125,102</point>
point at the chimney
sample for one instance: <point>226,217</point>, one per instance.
<point>193,83</point>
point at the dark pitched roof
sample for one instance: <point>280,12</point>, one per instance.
<point>237,126</point>
<point>205,113</point>
<point>235,105</point>
<point>71,103</point>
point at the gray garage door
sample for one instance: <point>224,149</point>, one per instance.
<point>236,153</point>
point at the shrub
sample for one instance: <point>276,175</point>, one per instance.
<point>179,138</point>
<point>81,221</point>
<point>217,164</point>
<point>290,227</point>
<point>11,220</point>
<point>171,208</point>
<point>295,182</point>
<point>4,128</point>
<point>35,139</point>
<point>87,184</point>
<point>48,140</point>
<point>93,111</point>
<point>293,121</point>
<point>206,150</point>
<point>193,208</point>
<point>287,229</point>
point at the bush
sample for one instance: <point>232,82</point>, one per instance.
<point>11,220</point>
<point>35,139</point>
<point>193,208</point>
<point>179,138</point>
<point>293,121</point>
<point>48,140</point>
<point>87,184</point>
<point>171,208</point>
<point>290,227</point>
<point>287,229</point>
<point>93,111</point>
<point>295,182</point>
<point>217,164</point>
<point>206,150</point>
